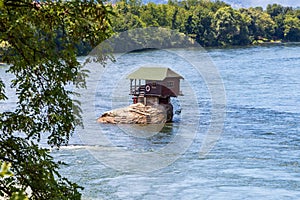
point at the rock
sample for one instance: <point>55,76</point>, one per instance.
<point>139,114</point>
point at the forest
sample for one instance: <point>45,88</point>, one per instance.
<point>211,23</point>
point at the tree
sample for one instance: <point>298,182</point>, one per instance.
<point>260,24</point>
<point>126,21</point>
<point>164,15</point>
<point>41,52</point>
<point>149,14</point>
<point>275,9</point>
<point>229,27</point>
<point>292,28</point>
<point>277,13</point>
<point>203,26</point>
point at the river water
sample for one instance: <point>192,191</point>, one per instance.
<point>257,155</point>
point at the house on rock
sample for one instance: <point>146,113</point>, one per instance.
<point>154,85</point>
<point>151,88</point>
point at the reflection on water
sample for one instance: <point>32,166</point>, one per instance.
<point>142,137</point>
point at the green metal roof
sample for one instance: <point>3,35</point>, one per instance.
<point>153,73</point>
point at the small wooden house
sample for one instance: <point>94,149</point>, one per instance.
<point>154,85</point>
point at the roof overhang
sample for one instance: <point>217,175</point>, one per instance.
<point>153,73</point>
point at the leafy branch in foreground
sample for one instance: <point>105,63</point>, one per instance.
<point>41,51</point>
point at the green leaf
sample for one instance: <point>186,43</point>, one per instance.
<point>20,195</point>
<point>5,170</point>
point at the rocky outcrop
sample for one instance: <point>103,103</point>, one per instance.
<point>139,114</point>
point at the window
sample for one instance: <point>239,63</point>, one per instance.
<point>170,84</point>
<point>153,85</point>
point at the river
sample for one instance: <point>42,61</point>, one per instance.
<point>257,155</point>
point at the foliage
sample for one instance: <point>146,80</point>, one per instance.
<point>6,173</point>
<point>5,170</point>
<point>41,48</point>
<point>229,26</point>
<point>211,23</point>
<point>260,24</point>
<point>292,28</point>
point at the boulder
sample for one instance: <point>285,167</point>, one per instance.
<point>139,114</point>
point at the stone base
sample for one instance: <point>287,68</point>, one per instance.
<point>139,114</point>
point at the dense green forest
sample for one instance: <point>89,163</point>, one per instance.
<point>211,23</point>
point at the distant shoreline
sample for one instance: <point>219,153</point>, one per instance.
<point>266,44</point>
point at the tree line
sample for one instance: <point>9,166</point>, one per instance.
<point>211,23</point>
